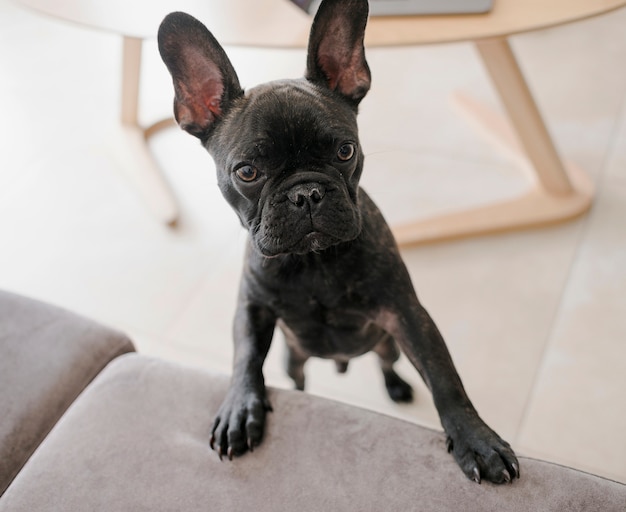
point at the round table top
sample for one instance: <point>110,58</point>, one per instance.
<point>279,23</point>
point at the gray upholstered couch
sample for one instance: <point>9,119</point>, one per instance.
<point>87,424</point>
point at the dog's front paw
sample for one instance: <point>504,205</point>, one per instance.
<point>239,423</point>
<point>483,454</point>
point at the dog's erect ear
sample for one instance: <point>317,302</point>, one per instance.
<point>336,55</point>
<point>205,82</point>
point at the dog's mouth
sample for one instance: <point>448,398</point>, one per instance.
<point>315,241</point>
<point>272,243</point>
<point>312,242</point>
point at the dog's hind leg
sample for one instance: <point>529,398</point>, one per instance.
<point>342,366</point>
<point>294,362</point>
<point>388,353</point>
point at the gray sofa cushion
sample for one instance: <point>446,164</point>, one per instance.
<point>47,357</point>
<point>138,439</point>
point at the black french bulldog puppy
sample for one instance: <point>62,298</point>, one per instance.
<point>321,263</point>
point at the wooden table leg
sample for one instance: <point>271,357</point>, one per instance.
<point>558,192</point>
<point>138,163</point>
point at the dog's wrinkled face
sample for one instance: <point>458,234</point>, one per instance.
<point>289,163</point>
<point>287,152</point>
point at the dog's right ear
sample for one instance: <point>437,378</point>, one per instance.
<point>336,57</point>
<point>205,82</point>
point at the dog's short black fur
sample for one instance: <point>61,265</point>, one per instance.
<point>322,263</point>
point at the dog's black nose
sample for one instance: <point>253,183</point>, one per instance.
<point>311,193</point>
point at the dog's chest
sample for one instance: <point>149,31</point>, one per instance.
<point>326,314</point>
<point>342,330</point>
<point>339,311</point>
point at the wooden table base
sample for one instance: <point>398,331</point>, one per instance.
<point>535,208</point>
<point>557,193</point>
<point>137,161</point>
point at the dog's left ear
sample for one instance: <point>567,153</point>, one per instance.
<point>205,83</point>
<point>336,56</point>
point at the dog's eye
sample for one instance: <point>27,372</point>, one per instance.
<point>247,173</point>
<point>346,152</point>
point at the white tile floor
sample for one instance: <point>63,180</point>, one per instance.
<point>536,320</point>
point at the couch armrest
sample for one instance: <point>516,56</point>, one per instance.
<point>47,357</point>
<point>138,439</point>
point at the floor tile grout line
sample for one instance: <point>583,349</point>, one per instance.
<point>620,119</point>
<point>195,293</point>
<point>137,334</point>
<point>185,304</point>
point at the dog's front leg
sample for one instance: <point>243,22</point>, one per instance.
<point>241,418</point>
<point>479,451</point>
